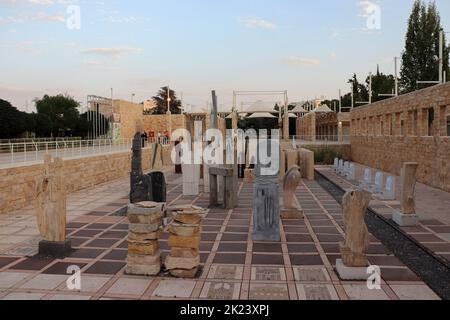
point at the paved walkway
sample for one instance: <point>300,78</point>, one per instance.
<point>233,266</point>
<point>432,232</point>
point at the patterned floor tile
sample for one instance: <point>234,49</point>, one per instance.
<point>311,274</point>
<point>268,274</point>
<point>220,291</point>
<point>268,291</point>
<point>316,292</point>
<point>227,272</point>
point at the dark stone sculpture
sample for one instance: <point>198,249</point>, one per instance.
<point>144,187</point>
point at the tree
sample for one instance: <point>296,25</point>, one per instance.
<point>161,102</point>
<point>43,125</point>
<point>420,57</point>
<point>360,91</point>
<point>381,84</point>
<point>12,121</point>
<point>62,111</point>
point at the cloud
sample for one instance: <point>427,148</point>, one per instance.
<point>300,61</point>
<point>40,17</point>
<point>49,18</point>
<point>112,52</point>
<point>254,22</point>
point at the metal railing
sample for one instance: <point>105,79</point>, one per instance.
<point>33,140</point>
<point>19,153</point>
<point>322,139</point>
<point>161,140</point>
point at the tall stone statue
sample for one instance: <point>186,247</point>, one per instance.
<point>140,184</point>
<point>407,217</point>
<point>51,208</point>
<point>291,182</point>
<point>145,187</point>
<point>354,249</point>
<point>266,205</point>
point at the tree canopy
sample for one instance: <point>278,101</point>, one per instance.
<point>161,102</point>
<point>56,116</point>
<point>420,57</point>
<point>62,111</point>
<point>12,121</point>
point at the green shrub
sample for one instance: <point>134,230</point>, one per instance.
<point>325,156</point>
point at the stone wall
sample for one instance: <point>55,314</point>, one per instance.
<point>131,115</point>
<point>412,127</point>
<point>162,123</point>
<point>17,185</point>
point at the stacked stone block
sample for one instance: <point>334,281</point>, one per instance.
<point>144,255</point>
<point>184,241</point>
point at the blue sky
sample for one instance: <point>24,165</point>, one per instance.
<point>309,48</point>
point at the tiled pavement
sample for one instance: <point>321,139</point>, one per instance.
<point>233,266</point>
<point>431,232</point>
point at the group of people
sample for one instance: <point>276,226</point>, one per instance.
<point>159,137</point>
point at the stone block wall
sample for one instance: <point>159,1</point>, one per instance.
<point>130,117</point>
<point>412,127</point>
<point>17,185</point>
<point>163,123</point>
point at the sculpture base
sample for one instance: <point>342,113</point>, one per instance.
<point>351,273</point>
<point>405,220</point>
<point>292,213</point>
<point>55,249</point>
<point>268,236</point>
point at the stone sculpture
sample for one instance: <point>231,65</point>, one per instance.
<point>266,206</point>
<point>144,255</point>
<point>355,204</point>
<point>145,187</point>
<point>336,165</point>
<point>51,209</point>
<point>389,190</point>
<point>228,192</point>
<point>366,182</point>
<point>378,183</point>
<point>184,241</point>
<point>352,172</point>
<point>353,265</point>
<point>139,183</point>
<point>291,181</point>
<point>407,217</point>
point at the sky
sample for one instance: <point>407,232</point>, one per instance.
<point>309,48</point>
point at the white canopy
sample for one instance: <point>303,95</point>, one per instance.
<point>298,109</point>
<point>258,115</point>
<point>260,106</point>
<point>291,115</point>
<point>323,109</point>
